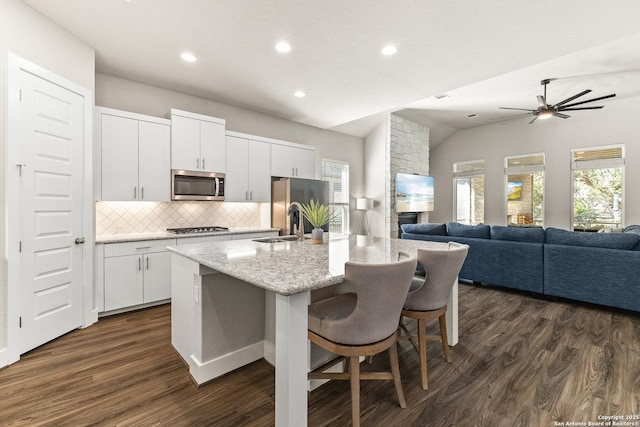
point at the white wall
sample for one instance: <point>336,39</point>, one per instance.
<point>375,173</point>
<point>617,123</point>
<point>114,92</point>
<point>29,35</point>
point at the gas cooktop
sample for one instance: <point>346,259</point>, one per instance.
<point>195,230</point>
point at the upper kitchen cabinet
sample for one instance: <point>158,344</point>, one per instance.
<point>289,160</point>
<point>134,162</point>
<point>197,142</point>
<point>248,177</point>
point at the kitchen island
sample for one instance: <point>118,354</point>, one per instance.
<point>220,320</point>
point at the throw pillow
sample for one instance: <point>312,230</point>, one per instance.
<point>425,228</point>
<point>517,234</point>
<point>480,231</point>
<point>625,241</point>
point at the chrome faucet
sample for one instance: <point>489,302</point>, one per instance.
<point>299,230</point>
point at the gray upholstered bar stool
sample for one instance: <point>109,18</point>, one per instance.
<point>363,323</point>
<point>429,296</point>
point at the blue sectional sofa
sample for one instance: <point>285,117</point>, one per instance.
<point>598,268</point>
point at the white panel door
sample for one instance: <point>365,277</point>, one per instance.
<point>212,147</point>
<point>259,171</point>
<point>119,158</point>
<point>157,276</point>
<point>185,143</point>
<point>51,208</point>
<point>123,279</point>
<point>236,184</point>
<point>282,160</point>
<point>154,163</point>
<point>305,163</point>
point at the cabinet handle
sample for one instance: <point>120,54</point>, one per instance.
<point>246,195</point>
<point>197,163</point>
<point>203,164</point>
<point>251,195</point>
<point>135,193</point>
<point>293,172</point>
<point>147,263</point>
<point>142,192</point>
<point>296,171</point>
<point>143,247</point>
<point>139,264</point>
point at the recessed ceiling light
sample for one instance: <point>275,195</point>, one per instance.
<point>283,47</point>
<point>389,49</point>
<point>189,57</point>
<point>299,94</point>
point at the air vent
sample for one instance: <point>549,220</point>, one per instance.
<point>441,96</point>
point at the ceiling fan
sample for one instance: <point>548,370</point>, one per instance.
<point>546,110</point>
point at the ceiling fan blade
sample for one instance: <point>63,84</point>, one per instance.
<point>520,109</point>
<point>534,119</point>
<point>562,116</point>
<point>541,101</point>
<point>571,98</point>
<point>590,100</point>
<point>581,108</point>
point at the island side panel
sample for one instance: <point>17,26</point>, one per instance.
<point>291,360</point>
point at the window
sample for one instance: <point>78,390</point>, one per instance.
<point>525,190</point>
<point>598,176</point>
<point>336,173</point>
<point>468,187</point>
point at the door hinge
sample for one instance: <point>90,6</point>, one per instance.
<point>20,321</point>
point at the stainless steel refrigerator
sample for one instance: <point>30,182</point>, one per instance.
<point>287,190</point>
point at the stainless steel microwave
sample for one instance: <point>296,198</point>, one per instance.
<point>195,185</point>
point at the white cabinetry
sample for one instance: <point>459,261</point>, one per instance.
<point>134,153</point>
<point>136,273</point>
<point>293,161</point>
<point>197,142</point>
<point>248,169</point>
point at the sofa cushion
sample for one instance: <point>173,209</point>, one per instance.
<point>517,234</point>
<point>635,229</point>
<point>480,231</point>
<point>624,241</point>
<point>430,229</point>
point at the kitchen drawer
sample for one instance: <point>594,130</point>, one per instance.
<point>134,248</point>
<point>256,235</point>
<point>203,239</point>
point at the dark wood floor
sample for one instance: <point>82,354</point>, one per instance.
<point>521,361</point>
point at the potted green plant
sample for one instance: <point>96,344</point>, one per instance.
<point>318,215</point>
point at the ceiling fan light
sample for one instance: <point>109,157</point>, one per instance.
<point>544,115</point>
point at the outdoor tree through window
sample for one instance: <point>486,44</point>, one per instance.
<point>597,188</point>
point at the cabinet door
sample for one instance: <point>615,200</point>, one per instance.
<point>119,158</point>
<point>154,174</point>
<point>123,279</point>
<point>236,185</point>
<point>157,276</point>
<point>282,160</point>
<point>305,163</point>
<point>185,143</point>
<point>259,171</point>
<point>212,147</point>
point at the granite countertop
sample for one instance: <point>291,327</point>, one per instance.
<point>292,267</point>
<point>134,237</point>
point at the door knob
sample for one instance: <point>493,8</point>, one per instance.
<point>79,240</point>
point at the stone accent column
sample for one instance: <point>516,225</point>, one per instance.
<point>407,151</point>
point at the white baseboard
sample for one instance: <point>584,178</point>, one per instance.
<point>201,372</point>
<point>270,353</point>
<point>3,358</point>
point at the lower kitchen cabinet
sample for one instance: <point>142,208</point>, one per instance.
<point>136,273</point>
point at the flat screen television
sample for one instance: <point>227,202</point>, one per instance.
<point>514,190</point>
<point>414,193</point>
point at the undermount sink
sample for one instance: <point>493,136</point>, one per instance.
<point>278,239</point>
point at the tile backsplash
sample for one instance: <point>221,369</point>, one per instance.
<point>153,217</point>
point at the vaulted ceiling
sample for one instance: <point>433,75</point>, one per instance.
<point>483,54</point>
